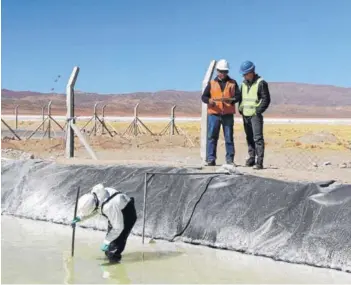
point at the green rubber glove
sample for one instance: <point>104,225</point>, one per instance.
<point>75,220</point>
<point>104,247</point>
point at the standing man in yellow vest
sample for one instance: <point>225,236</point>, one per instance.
<point>221,94</point>
<point>255,99</point>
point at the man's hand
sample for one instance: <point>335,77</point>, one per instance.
<point>104,247</point>
<point>76,220</point>
<point>240,109</point>
<point>211,102</point>
<point>227,101</point>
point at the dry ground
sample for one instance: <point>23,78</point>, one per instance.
<point>293,152</point>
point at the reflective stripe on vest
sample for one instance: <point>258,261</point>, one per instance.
<point>249,98</point>
<point>216,93</point>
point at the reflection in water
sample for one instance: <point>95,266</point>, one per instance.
<point>68,265</point>
<point>141,256</point>
<point>117,271</point>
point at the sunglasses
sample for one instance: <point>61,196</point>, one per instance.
<point>223,71</point>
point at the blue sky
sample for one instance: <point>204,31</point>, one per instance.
<point>128,46</point>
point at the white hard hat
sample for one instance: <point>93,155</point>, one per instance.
<point>100,192</point>
<point>86,204</point>
<point>222,65</point>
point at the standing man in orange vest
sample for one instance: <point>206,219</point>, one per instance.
<point>221,94</point>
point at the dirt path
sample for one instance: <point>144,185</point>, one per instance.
<point>284,163</point>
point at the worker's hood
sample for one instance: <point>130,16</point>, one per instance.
<point>101,193</point>
<point>86,205</point>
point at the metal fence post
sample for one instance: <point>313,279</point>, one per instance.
<point>43,117</point>
<point>103,119</point>
<point>70,112</point>
<point>203,141</point>
<point>16,115</point>
<point>49,121</point>
<point>172,120</point>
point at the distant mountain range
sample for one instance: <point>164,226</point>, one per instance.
<point>288,100</point>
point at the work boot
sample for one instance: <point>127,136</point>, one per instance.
<point>258,166</point>
<point>210,163</point>
<point>115,258</point>
<point>250,162</point>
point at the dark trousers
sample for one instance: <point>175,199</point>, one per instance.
<point>253,127</point>
<point>117,246</point>
<point>214,126</point>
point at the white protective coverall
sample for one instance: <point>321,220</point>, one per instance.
<point>117,207</point>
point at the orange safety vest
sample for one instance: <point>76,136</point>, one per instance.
<point>222,108</point>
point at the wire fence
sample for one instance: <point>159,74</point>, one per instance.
<point>291,147</point>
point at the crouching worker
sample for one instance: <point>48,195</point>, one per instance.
<point>119,210</point>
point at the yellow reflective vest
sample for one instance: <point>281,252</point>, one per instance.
<point>250,100</point>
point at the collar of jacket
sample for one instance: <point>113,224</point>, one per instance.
<point>226,79</point>
<point>253,81</point>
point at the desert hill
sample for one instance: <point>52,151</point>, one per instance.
<point>288,100</point>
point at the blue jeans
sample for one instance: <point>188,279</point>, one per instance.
<point>214,126</point>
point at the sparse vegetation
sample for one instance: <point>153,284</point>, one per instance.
<point>314,137</point>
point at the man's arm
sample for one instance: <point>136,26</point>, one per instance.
<point>240,98</point>
<point>237,95</point>
<point>85,209</point>
<point>263,92</point>
<point>206,95</point>
<point>82,218</point>
<point>86,217</point>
